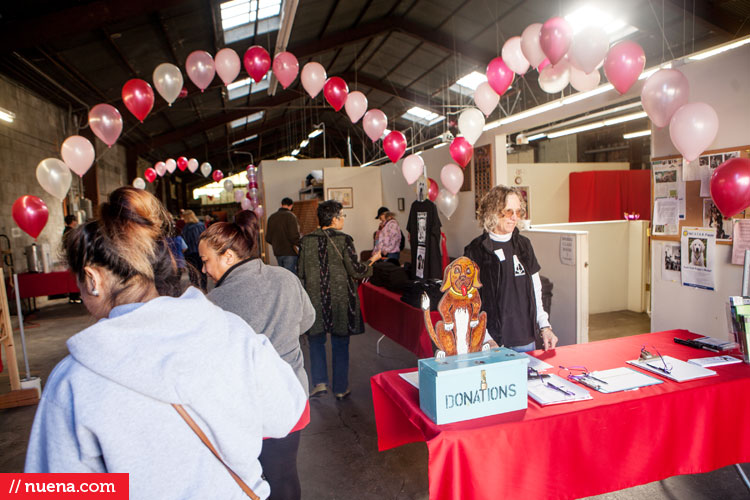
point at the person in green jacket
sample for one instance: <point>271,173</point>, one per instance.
<point>328,269</point>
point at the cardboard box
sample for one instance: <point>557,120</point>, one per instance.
<point>473,385</point>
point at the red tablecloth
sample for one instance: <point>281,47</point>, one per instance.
<point>39,284</point>
<point>585,448</point>
<point>400,322</point>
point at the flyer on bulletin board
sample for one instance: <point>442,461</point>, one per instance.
<point>698,254</point>
<point>740,241</point>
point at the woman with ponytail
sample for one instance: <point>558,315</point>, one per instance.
<point>110,405</point>
<point>273,302</point>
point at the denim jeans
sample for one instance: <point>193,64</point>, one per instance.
<point>340,361</point>
<point>288,262</point>
<point>524,348</point>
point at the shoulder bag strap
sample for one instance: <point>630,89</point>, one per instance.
<point>333,245</point>
<point>187,418</point>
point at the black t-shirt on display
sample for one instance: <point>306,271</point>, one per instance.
<point>424,239</point>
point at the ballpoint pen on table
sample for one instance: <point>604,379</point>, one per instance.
<point>559,389</point>
<point>588,375</point>
<point>660,368</point>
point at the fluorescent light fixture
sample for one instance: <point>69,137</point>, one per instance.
<point>440,145</point>
<point>239,83</point>
<point>295,152</point>
<point>287,158</point>
<point>718,50</point>
<point>575,130</point>
<point>246,139</point>
<point>645,74</point>
<point>589,15</point>
<point>304,143</point>
<point>536,137</point>
<point>624,118</point>
<point>247,119</point>
<point>315,133</point>
<point>423,116</point>
<point>580,96</point>
<point>633,135</point>
<point>7,116</point>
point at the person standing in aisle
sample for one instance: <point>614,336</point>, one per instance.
<point>328,269</point>
<point>191,233</point>
<point>388,236</point>
<point>512,289</point>
<point>283,235</point>
<point>274,304</point>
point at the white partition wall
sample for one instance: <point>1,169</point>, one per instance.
<point>564,256</point>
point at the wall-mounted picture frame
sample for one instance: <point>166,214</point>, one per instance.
<point>344,195</point>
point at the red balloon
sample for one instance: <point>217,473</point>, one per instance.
<point>394,145</point>
<point>183,92</point>
<point>217,175</point>
<point>150,174</point>
<point>138,97</point>
<point>461,151</point>
<point>182,163</point>
<point>31,214</point>
<point>499,75</point>
<point>257,62</point>
<point>730,186</point>
<point>252,184</point>
<point>336,91</point>
<point>432,191</point>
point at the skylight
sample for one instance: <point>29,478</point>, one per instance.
<point>243,87</point>
<point>469,83</point>
<point>247,119</point>
<point>421,115</point>
<point>588,15</point>
<point>239,18</point>
<point>246,139</point>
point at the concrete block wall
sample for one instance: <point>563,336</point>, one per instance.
<point>112,172</point>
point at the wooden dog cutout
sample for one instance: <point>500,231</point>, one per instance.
<point>464,323</point>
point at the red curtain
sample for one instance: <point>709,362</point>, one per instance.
<point>608,194</point>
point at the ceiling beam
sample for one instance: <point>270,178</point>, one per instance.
<point>715,18</point>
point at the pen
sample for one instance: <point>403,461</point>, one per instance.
<point>588,375</point>
<point>660,368</point>
<point>560,389</point>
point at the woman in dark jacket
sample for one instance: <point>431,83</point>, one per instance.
<point>191,233</point>
<point>328,268</point>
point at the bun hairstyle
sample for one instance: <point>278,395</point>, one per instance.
<point>240,236</point>
<point>129,240</point>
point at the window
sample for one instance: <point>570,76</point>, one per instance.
<point>243,87</point>
<point>247,119</point>
<point>469,83</point>
<point>246,139</point>
<point>421,115</point>
<point>239,18</point>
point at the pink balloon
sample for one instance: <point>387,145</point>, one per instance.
<point>394,145</point>
<point>730,186</point>
<point>217,175</point>
<point>624,64</point>
<point>555,78</point>
<point>530,47</point>
<point>461,151</point>
<point>355,106</point>
<point>31,214</point>
<point>161,168</point>
<point>171,165</point>
<point>259,211</point>
<point>412,167</point>
<point>286,68</point>
<point>432,190</point>
<point>78,154</point>
<point>106,123</point>
<point>227,65</point>
<point>485,98</point>
<point>583,82</point>
<point>200,68</point>
<point>239,195</point>
<point>663,94</point>
<point>257,62</point>
<point>313,78</point>
<point>335,91</point>
<point>499,75</point>
<point>513,55</point>
<point>693,129</point>
<point>192,165</point>
<point>452,177</point>
<point>374,123</point>
<point>554,38</point>
<point>588,49</point>
<point>246,204</point>
<point>543,65</point>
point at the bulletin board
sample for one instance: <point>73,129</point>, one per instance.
<point>693,199</point>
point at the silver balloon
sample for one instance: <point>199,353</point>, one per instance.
<point>446,202</point>
<point>139,183</point>
<point>228,186</point>
<point>206,169</point>
<point>168,81</point>
<point>54,176</point>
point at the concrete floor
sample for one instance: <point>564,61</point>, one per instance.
<point>338,456</point>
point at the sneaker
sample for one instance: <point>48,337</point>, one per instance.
<point>318,390</point>
<point>343,395</point>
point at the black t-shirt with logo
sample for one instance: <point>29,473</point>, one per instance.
<point>518,327</point>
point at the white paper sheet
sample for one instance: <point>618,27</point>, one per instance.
<point>544,394</point>
<point>681,371</point>
<point>666,211</point>
<point>619,379</point>
<point>411,377</point>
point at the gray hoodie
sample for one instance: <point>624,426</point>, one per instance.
<point>106,406</point>
<point>272,301</point>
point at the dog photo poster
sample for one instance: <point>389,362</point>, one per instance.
<point>697,253</point>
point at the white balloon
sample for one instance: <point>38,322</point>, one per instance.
<point>355,106</point>
<point>228,65</point>
<point>161,168</point>
<point>530,46</point>
<point>554,78</point>
<point>192,165</point>
<point>171,165</point>
<point>168,81</point>
<point>588,49</point>
<point>228,186</point>
<point>470,124</point>
<point>206,169</point>
<point>54,176</point>
<point>485,98</point>
<point>78,154</point>
<point>513,56</point>
<point>412,167</point>
<point>446,202</point>
<point>313,78</point>
<point>139,183</point>
<point>583,82</point>
<point>452,177</point>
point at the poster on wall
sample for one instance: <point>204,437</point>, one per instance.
<point>712,218</point>
<point>668,184</point>
<point>670,267</point>
<point>698,252</point>
<point>740,241</point>
<point>707,165</point>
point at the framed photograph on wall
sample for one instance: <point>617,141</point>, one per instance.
<point>344,195</point>
<point>525,200</point>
